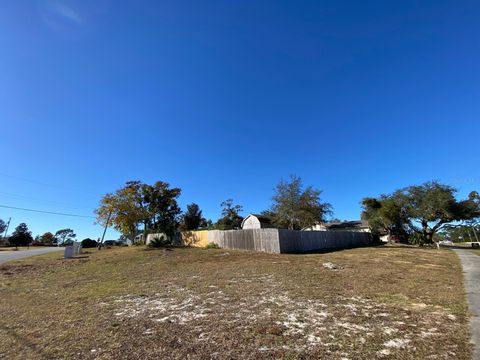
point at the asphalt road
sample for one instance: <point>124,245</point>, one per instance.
<point>471,270</point>
<point>21,254</point>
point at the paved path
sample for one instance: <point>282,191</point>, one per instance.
<point>471,269</point>
<point>20,254</point>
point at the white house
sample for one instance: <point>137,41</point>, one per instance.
<point>358,225</point>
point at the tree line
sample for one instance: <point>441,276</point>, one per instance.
<point>418,213</point>
<point>415,214</point>
<point>143,208</point>
<point>22,236</point>
<point>412,214</point>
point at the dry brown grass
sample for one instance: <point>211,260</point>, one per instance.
<point>132,303</point>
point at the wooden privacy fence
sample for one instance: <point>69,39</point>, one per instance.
<point>291,241</point>
<point>194,238</point>
<point>278,240</point>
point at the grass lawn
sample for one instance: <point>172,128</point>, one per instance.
<point>133,303</point>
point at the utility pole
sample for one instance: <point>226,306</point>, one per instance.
<point>104,230</point>
<point>6,229</point>
<point>474,232</point>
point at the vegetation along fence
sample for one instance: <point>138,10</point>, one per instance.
<point>278,240</point>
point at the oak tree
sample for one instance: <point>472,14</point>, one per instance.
<point>295,207</point>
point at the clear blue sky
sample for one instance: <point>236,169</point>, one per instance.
<point>224,98</point>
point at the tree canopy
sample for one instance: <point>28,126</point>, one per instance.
<point>21,236</point>
<point>295,207</point>
<point>163,212</point>
<point>155,206</point>
<point>470,231</point>
<point>231,218</point>
<point>89,243</point>
<point>65,236</point>
<point>192,219</point>
<point>46,238</point>
<point>422,209</point>
<point>385,214</point>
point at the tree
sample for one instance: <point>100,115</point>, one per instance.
<point>461,232</point>
<point>432,206</point>
<point>162,207</point>
<point>136,203</point>
<point>21,236</point>
<point>335,220</point>
<point>123,209</point>
<point>295,208</point>
<point>230,216</point>
<point>207,225</point>
<point>88,243</point>
<point>47,238</point>
<point>65,236</point>
<point>426,209</point>
<point>270,215</point>
<point>192,219</point>
<point>384,214</point>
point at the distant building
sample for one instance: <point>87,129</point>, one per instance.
<point>255,221</point>
<point>357,225</point>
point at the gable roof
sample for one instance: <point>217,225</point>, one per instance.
<point>263,219</point>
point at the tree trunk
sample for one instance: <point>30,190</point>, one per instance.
<point>145,228</point>
<point>429,237</point>
<point>426,235</point>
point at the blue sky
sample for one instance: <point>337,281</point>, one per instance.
<point>224,98</point>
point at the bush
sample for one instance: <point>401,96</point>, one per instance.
<point>212,246</point>
<point>159,241</point>
<point>415,239</point>
<point>37,243</point>
<point>88,243</point>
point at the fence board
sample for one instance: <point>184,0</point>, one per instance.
<point>287,241</point>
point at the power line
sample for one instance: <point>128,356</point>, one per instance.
<point>47,212</point>
<point>57,187</point>
<point>42,201</point>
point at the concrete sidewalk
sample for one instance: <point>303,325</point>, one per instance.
<point>21,254</point>
<point>471,269</point>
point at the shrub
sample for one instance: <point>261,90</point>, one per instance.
<point>212,246</point>
<point>88,243</point>
<point>159,241</point>
<point>415,239</point>
<point>37,243</point>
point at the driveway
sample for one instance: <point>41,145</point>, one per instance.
<point>471,270</point>
<point>21,254</point>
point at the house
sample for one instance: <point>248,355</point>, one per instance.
<point>255,221</point>
<point>357,225</point>
<point>316,227</point>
